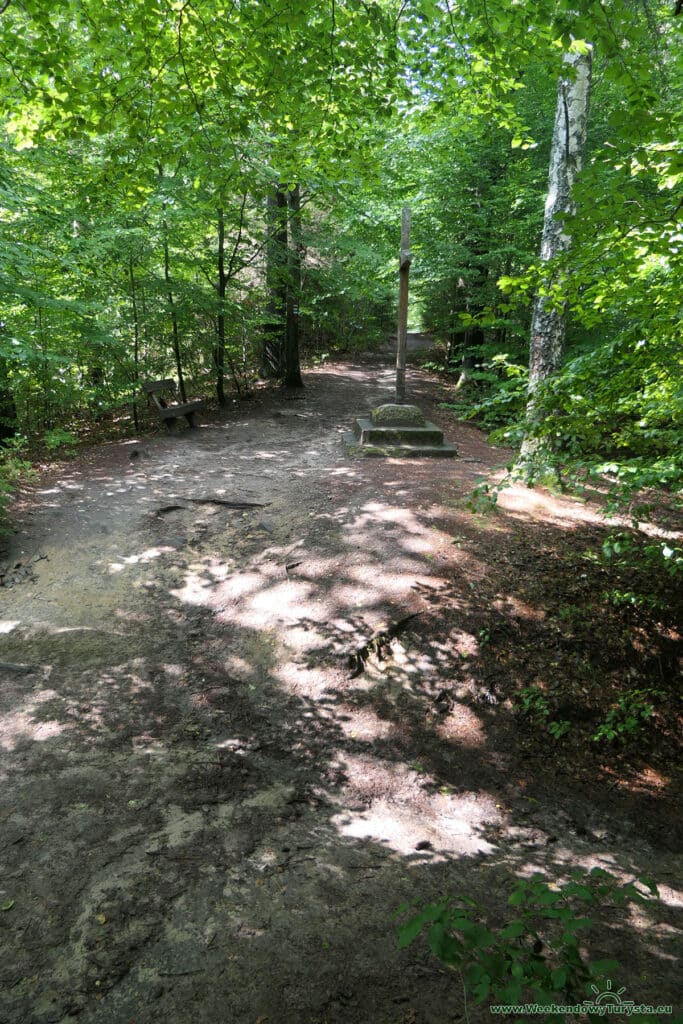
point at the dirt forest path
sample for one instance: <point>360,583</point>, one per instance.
<point>213,793</point>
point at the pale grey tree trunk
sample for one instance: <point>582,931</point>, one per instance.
<point>548,321</point>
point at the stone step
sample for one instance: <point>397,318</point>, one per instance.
<point>368,432</point>
<point>396,430</point>
<point>408,451</point>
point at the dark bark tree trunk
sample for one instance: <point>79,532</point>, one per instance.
<point>136,339</point>
<point>219,353</point>
<point>225,275</point>
<point>472,340</point>
<point>276,283</point>
<point>174,317</point>
<point>45,373</point>
<point>171,304</point>
<point>292,368</point>
<point>8,409</point>
<point>466,345</point>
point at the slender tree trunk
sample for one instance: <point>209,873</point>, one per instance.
<point>292,368</point>
<point>548,322</point>
<point>225,275</point>
<point>174,316</point>
<point>145,330</point>
<point>171,303</point>
<point>405,258</point>
<point>47,405</point>
<point>8,410</point>
<point>276,282</point>
<point>136,339</point>
<point>219,353</point>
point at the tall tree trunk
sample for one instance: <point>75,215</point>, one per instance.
<point>8,410</point>
<point>171,303</point>
<point>292,368</point>
<point>276,283</point>
<point>219,353</point>
<point>225,275</point>
<point>174,316</point>
<point>45,375</point>
<point>145,324</point>
<point>548,322</point>
<point>136,339</point>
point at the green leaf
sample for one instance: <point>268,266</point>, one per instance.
<point>513,929</point>
<point>558,978</point>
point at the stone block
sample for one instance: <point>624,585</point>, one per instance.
<point>391,415</point>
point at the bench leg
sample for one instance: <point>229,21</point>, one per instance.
<point>170,422</point>
<point>189,416</point>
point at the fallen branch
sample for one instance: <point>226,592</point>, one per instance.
<point>18,670</point>
<point>229,503</point>
<point>167,508</point>
<point>376,643</point>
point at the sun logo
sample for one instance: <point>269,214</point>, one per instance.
<point>607,996</point>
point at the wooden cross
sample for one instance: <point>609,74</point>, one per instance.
<point>404,261</point>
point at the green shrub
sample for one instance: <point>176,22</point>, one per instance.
<point>628,716</point>
<point>59,438</point>
<point>536,956</point>
<point>532,701</point>
<point>498,400</point>
<point>13,466</point>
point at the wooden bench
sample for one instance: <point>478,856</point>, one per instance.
<point>165,397</point>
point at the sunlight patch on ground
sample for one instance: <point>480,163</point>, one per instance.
<point>198,590</point>
<point>312,683</point>
<point>305,638</point>
<point>18,726</point>
<point>463,726</point>
<point>7,625</point>
<point>511,606</point>
<point>356,597</point>
<point>343,471</point>
<point>283,599</point>
<point>465,643</point>
<point>569,860</point>
<point>261,598</point>
<point>566,511</point>
<point>437,832</point>
<point>144,556</point>
<point>363,724</point>
<point>528,503</point>
<point>645,781</point>
<point>391,803</point>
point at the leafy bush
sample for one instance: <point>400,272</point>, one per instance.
<point>532,701</point>
<point>59,438</point>
<point>631,712</point>
<point>504,386</point>
<point>616,413</point>
<point>612,414</point>
<point>622,548</point>
<point>535,957</point>
<point>13,466</point>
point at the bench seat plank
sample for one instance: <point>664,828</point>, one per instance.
<point>171,410</point>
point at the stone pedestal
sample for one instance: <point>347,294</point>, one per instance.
<point>399,430</point>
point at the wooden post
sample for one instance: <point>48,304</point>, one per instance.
<point>405,259</point>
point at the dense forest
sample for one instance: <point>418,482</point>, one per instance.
<point>213,190</point>
<point>262,696</point>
